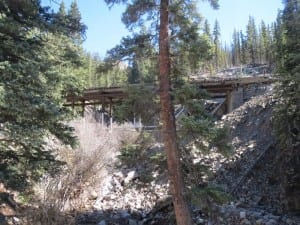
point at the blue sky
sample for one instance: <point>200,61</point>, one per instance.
<point>105,28</point>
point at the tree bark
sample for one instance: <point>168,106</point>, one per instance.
<point>182,212</point>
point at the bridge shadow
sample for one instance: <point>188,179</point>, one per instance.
<point>160,214</point>
<point>3,220</point>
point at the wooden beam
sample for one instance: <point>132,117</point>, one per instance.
<point>215,86</point>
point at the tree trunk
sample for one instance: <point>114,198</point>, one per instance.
<point>182,213</point>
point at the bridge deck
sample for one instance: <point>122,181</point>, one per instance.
<point>110,95</point>
<point>222,85</point>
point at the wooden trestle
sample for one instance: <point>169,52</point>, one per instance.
<point>217,86</point>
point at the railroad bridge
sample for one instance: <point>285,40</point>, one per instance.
<point>231,91</point>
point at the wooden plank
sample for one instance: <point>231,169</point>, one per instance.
<point>94,96</point>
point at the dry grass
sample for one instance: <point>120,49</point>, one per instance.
<point>59,197</point>
<point>47,214</point>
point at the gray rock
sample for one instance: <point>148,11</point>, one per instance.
<point>117,216</point>
<point>289,221</point>
<point>271,222</point>
<point>119,174</point>
<point>130,176</point>
<point>102,222</point>
<point>259,222</point>
<point>125,214</point>
<point>16,220</point>
<point>132,222</point>
<point>242,214</point>
<point>93,195</point>
<point>246,222</point>
<point>256,214</point>
<point>107,186</point>
<point>200,221</point>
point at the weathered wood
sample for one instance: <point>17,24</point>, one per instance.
<point>113,95</point>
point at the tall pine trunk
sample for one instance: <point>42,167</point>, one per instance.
<point>182,212</point>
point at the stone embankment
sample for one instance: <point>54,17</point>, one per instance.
<point>249,175</point>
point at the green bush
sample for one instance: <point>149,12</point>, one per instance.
<point>204,196</point>
<point>130,154</point>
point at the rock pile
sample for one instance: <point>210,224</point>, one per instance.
<point>236,215</point>
<point>123,199</point>
<point>253,142</point>
<point>249,175</point>
<point>124,191</point>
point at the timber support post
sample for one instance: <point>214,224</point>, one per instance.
<point>102,112</point>
<point>83,108</point>
<point>110,114</point>
<point>140,123</point>
<point>229,102</point>
<point>111,123</point>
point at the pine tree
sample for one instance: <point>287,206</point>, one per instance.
<point>264,43</point>
<point>252,41</point>
<point>279,41</point>
<point>32,88</point>
<point>287,113</point>
<point>74,22</point>
<point>217,44</point>
<point>208,62</point>
<point>206,30</point>
<point>272,49</point>
<point>61,14</point>
<point>243,48</point>
<point>182,212</point>
<point>236,48</point>
<point>181,27</point>
<point>289,88</point>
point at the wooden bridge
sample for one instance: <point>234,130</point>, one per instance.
<point>216,86</point>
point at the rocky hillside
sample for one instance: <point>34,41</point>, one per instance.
<point>137,193</point>
<point>249,176</point>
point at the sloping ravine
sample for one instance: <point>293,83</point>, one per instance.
<point>251,135</point>
<point>249,175</point>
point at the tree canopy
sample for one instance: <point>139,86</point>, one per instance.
<point>288,91</point>
<point>287,111</point>
<point>35,55</point>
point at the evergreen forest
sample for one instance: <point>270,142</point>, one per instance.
<point>43,61</point>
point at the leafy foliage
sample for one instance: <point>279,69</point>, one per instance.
<point>179,53</point>
<point>205,197</point>
<point>141,154</point>
<point>197,121</point>
<point>141,102</point>
<point>287,111</point>
<point>197,131</point>
<point>33,55</point>
<point>287,117</point>
<point>188,48</point>
<point>133,153</point>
